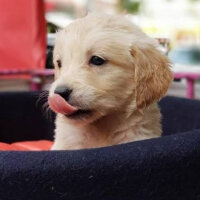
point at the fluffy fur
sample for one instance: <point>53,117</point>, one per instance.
<point>122,93</point>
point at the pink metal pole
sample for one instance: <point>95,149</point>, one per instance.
<point>190,88</point>
<point>35,84</point>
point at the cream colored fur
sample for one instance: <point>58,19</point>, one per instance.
<point>122,93</point>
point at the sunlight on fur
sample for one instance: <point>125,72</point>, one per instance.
<point>109,76</point>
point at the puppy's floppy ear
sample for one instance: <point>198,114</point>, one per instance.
<point>152,74</point>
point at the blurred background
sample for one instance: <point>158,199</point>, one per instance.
<point>174,23</point>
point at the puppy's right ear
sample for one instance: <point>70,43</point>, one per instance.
<point>152,74</point>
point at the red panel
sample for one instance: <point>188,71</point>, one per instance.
<point>22,34</point>
<point>27,146</point>
<point>5,147</point>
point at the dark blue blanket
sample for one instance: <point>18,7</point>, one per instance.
<point>166,168</point>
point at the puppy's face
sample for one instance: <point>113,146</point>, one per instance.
<point>103,65</point>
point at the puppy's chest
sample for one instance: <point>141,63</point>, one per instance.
<point>70,136</point>
<point>74,137</point>
<point>130,132</point>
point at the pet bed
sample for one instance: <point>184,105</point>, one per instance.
<point>163,168</point>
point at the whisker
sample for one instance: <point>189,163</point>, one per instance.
<point>42,102</point>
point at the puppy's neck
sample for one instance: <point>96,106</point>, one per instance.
<point>114,122</point>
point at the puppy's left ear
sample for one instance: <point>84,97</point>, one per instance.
<point>152,74</point>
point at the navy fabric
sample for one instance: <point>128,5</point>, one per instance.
<point>165,168</point>
<point>22,117</point>
<point>179,115</point>
<point>159,169</point>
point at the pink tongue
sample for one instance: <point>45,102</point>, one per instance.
<point>59,105</point>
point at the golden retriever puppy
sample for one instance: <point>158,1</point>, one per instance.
<point>108,77</point>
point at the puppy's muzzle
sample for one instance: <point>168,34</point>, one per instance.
<point>64,92</point>
<point>59,103</point>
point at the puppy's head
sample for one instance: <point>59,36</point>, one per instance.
<point>105,64</point>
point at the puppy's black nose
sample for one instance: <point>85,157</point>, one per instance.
<point>63,92</point>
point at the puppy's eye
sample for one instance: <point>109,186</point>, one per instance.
<point>59,63</point>
<point>95,60</point>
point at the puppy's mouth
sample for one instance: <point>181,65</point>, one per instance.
<point>59,105</point>
<point>80,113</point>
